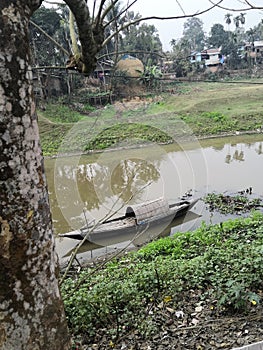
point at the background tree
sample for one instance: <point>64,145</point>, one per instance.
<point>228,20</point>
<point>194,33</point>
<point>144,41</point>
<point>181,57</point>
<point>44,52</point>
<point>242,18</point>
<point>255,33</point>
<point>232,49</point>
<point>237,21</point>
<point>251,35</point>
<point>115,19</point>
<point>218,36</point>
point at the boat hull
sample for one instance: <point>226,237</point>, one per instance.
<point>130,229</point>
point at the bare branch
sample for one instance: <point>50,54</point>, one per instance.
<point>121,13</point>
<point>250,7</point>
<point>61,48</point>
<point>75,48</point>
<point>121,28</point>
<point>99,16</point>
<point>198,13</point>
<point>179,4</point>
<point>93,9</point>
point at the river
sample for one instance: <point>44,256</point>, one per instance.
<point>86,188</point>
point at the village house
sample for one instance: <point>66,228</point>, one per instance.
<point>254,50</point>
<point>212,59</point>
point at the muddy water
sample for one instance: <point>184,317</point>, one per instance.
<point>89,187</point>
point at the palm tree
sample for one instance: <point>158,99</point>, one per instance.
<point>237,21</point>
<point>228,19</point>
<point>173,42</point>
<point>251,35</point>
<point>242,18</point>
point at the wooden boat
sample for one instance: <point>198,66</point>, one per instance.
<point>138,219</point>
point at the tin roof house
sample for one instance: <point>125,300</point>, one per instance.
<point>212,58</point>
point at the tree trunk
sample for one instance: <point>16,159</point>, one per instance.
<point>31,310</point>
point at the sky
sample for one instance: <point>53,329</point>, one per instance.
<point>172,29</point>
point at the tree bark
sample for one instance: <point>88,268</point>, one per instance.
<point>31,310</point>
<point>91,36</point>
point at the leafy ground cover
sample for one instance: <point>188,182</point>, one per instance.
<point>200,109</point>
<point>232,204</point>
<point>61,113</point>
<point>195,290</point>
<point>121,133</point>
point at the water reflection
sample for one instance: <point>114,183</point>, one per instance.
<point>259,149</point>
<point>95,183</point>
<point>98,185</point>
<point>130,174</point>
<point>234,153</point>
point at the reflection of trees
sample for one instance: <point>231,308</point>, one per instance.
<point>130,175</point>
<point>259,149</point>
<point>228,158</point>
<point>95,183</point>
<point>88,175</point>
<point>238,155</point>
<point>218,147</point>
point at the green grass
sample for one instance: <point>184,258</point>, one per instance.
<point>51,135</point>
<point>202,109</point>
<point>218,265</point>
<point>60,113</point>
<point>125,133</point>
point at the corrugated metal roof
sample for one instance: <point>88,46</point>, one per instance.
<point>144,211</point>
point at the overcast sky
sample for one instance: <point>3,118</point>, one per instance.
<point>172,29</point>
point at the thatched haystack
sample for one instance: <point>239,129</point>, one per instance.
<point>132,66</point>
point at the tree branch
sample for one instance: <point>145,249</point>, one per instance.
<point>250,7</point>
<point>90,36</point>
<point>124,10</point>
<point>35,4</point>
<point>99,14</point>
<point>121,28</point>
<point>61,48</point>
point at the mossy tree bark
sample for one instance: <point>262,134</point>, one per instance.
<point>91,34</point>
<point>31,310</point>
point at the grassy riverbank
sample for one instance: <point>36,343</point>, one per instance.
<point>196,290</point>
<point>195,110</point>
